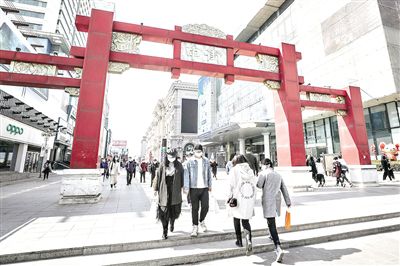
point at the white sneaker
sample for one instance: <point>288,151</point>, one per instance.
<point>194,231</point>
<point>279,254</point>
<point>203,226</point>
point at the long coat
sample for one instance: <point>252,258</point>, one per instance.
<point>272,186</point>
<point>160,185</point>
<point>114,169</point>
<point>243,188</point>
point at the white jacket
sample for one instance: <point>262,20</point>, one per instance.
<point>243,188</point>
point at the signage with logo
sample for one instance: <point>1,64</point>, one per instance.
<point>18,132</point>
<point>13,129</point>
<point>119,143</point>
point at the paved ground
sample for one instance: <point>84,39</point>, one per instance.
<point>32,219</point>
<point>381,249</point>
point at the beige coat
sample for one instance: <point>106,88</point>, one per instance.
<point>115,170</point>
<point>272,186</point>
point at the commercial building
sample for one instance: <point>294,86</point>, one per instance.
<point>342,43</point>
<point>175,120</point>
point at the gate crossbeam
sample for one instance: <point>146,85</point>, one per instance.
<point>322,105</point>
<point>63,63</point>
<point>38,81</point>
<point>153,34</point>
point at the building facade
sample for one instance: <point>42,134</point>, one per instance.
<point>174,120</point>
<point>343,43</point>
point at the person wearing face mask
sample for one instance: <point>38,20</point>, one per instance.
<point>272,186</point>
<point>198,183</point>
<point>153,168</point>
<point>168,184</point>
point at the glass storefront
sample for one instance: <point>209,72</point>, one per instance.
<point>382,123</point>
<point>6,155</point>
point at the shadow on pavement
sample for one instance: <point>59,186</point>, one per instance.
<point>303,254</point>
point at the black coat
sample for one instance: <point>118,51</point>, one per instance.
<point>160,185</point>
<point>252,161</point>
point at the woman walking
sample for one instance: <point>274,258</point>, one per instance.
<point>168,184</point>
<point>243,189</point>
<point>114,170</point>
<point>272,186</point>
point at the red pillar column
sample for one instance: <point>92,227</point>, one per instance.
<point>352,130</point>
<point>288,119</point>
<point>85,148</point>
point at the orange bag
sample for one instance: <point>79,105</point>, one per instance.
<point>287,220</point>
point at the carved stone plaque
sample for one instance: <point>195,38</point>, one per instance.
<point>34,69</point>
<point>272,85</point>
<point>203,53</point>
<point>268,63</point>
<point>125,42</point>
<point>72,91</point>
<point>117,68</point>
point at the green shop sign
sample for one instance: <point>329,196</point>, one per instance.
<point>14,130</point>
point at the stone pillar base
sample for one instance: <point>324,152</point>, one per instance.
<point>296,178</point>
<point>80,186</point>
<point>363,175</point>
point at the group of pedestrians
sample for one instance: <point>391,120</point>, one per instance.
<point>194,178</point>
<point>339,171</point>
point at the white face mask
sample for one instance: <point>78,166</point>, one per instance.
<point>198,154</point>
<point>171,158</point>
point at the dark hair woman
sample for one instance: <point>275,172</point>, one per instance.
<point>169,185</point>
<point>272,186</point>
<point>243,190</point>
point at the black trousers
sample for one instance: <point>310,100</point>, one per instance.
<point>245,224</point>
<point>198,195</point>
<point>345,178</point>
<point>143,175</point>
<point>388,173</point>
<point>272,230</point>
<point>128,177</point>
<point>46,175</point>
<point>153,175</point>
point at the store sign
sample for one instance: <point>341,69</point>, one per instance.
<point>15,131</point>
<point>12,129</point>
<point>119,143</point>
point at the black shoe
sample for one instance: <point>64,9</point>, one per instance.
<point>239,243</point>
<point>171,227</point>
<point>165,234</point>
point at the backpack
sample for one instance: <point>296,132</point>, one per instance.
<point>338,169</point>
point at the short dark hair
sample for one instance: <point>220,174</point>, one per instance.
<point>335,158</point>
<point>268,162</point>
<point>198,147</point>
<point>340,156</point>
<point>240,159</point>
<point>248,149</point>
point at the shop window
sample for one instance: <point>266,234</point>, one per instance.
<point>335,134</point>
<point>310,133</point>
<point>320,131</point>
<point>379,118</point>
<point>368,122</point>
<point>393,116</point>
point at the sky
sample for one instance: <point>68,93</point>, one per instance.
<point>134,94</point>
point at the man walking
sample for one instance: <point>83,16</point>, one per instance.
<point>252,160</point>
<point>198,181</point>
<point>344,170</point>
<point>143,170</point>
<point>130,168</point>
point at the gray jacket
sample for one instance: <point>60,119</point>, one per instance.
<point>272,185</point>
<point>191,175</point>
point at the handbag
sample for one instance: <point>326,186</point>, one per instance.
<point>287,220</point>
<point>232,202</point>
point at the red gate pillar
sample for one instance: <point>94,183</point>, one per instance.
<point>288,119</point>
<point>352,130</point>
<point>91,96</point>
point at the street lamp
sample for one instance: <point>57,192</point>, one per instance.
<point>47,134</point>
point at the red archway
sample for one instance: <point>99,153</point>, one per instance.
<point>287,84</point>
